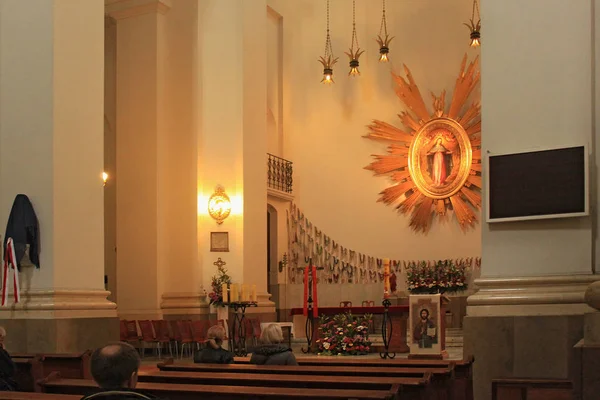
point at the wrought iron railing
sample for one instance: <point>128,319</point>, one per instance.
<point>279,173</point>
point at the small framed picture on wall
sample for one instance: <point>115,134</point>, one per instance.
<point>219,241</point>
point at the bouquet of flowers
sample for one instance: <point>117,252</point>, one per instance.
<point>217,281</point>
<point>438,277</point>
<point>344,334</point>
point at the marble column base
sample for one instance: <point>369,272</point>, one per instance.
<point>185,306</point>
<point>64,335</point>
<point>60,321</point>
<point>520,346</point>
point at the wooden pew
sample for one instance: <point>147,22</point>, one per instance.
<point>33,367</point>
<point>413,387</point>
<point>37,396</point>
<point>463,369</point>
<point>55,384</point>
<point>26,372</point>
<point>531,389</point>
<point>442,378</point>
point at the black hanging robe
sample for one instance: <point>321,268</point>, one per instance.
<point>23,228</point>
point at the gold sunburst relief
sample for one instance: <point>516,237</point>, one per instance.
<point>435,161</point>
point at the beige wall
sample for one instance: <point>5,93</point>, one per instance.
<point>323,126</point>
<point>232,139</point>
<point>536,92</point>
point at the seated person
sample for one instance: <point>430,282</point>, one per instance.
<point>7,366</point>
<point>115,369</point>
<point>272,351</point>
<point>214,353</point>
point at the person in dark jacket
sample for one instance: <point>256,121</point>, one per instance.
<point>7,366</point>
<point>115,367</point>
<point>214,353</point>
<point>272,351</point>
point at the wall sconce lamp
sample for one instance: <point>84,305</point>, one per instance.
<point>219,205</point>
<point>104,178</point>
<point>283,263</point>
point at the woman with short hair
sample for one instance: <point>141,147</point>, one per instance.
<point>214,353</point>
<point>272,351</point>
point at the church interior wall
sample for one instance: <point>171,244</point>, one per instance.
<point>323,127</point>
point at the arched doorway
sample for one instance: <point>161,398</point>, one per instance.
<point>272,270</point>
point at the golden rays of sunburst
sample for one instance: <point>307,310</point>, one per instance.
<point>435,159</point>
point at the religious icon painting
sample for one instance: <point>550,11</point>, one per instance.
<point>424,324</point>
<point>435,161</point>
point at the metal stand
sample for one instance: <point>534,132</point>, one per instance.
<point>238,328</point>
<point>309,328</point>
<point>386,330</point>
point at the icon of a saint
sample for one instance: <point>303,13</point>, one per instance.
<point>439,172</point>
<point>425,333</point>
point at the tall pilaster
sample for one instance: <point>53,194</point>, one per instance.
<point>534,273</point>
<point>232,141</point>
<point>157,263</point>
<point>51,149</point>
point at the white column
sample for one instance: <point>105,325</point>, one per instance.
<point>51,149</point>
<point>550,256</point>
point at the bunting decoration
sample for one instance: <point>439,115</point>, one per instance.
<point>332,263</point>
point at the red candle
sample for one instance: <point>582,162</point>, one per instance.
<point>305,304</point>
<point>314,292</point>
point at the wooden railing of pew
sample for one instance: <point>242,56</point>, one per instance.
<point>32,367</point>
<point>409,383</point>
<point>532,389</point>
<point>463,369</point>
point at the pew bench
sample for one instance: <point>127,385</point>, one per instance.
<point>81,387</point>
<point>441,379</point>
<point>37,396</point>
<point>410,387</point>
<point>531,389</point>
<point>33,367</point>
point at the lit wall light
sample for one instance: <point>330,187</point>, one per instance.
<point>219,205</point>
<point>104,178</point>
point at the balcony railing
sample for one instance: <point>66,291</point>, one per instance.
<point>279,174</point>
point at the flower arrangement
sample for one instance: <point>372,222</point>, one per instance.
<point>438,277</point>
<point>217,281</point>
<point>344,335</point>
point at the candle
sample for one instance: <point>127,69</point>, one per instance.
<point>224,293</point>
<point>386,274</point>
<point>254,293</point>
<point>234,292</point>
<point>245,293</point>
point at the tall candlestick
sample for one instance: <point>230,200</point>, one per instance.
<point>254,293</point>
<point>224,293</point>
<point>234,292</point>
<point>386,281</point>
<point>245,293</point>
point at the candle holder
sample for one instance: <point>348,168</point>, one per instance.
<point>309,327</point>
<point>386,330</point>
<point>238,328</point>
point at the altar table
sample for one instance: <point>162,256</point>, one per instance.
<point>399,316</point>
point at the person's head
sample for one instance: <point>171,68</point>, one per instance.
<point>216,334</point>
<point>424,313</point>
<point>272,334</point>
<point>115,366</point>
